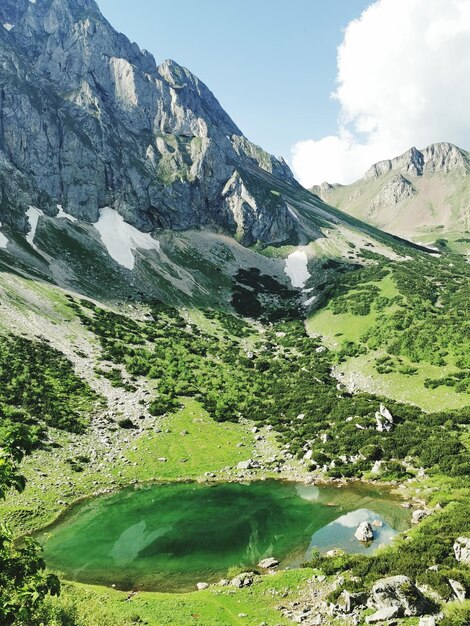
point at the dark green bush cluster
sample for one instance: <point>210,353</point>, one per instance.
<point>38,385</point>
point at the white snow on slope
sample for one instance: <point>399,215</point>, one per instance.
<point>33,214</point>
<point>296,268</point>
<point>8,26</point>
<point>3,239</point>
<point>121,239</point>
<point>63,215</point>
<point>293,213</point>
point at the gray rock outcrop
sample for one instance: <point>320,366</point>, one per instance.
<point>89,120</point>
<point>396,190</point>
<point>400,594</point>
<point>245,579</point>
<point>462,550</point>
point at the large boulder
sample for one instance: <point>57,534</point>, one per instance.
<point>462,550</point>
<point>245,579</point>
<point>400,593</point>
<point>364,532</point>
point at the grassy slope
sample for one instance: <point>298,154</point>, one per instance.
<point>213,607</point>
<point>360,371</point>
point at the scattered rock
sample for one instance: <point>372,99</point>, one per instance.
<point>383,615</point>
<point>268,563</point>
<point>384,419</point>
<point>462,550</point>
<point>458,589</point>
<point>364,532</point>
<point>428,620</point>
<point>419,515</point>
<point>202,586</point>
<point>245,579</point>
<point>400,593</point>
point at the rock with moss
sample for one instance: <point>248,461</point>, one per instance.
<point>399,593</point>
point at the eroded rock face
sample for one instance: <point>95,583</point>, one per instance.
<point>89,120</point>
<point>396,190</point>
<point>398,592</point>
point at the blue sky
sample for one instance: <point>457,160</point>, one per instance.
<point>271,63</point>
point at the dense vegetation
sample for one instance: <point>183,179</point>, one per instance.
<point>280,377</point>
<point>425,321</point>
<point>23,582</point>
<point>38,389</point>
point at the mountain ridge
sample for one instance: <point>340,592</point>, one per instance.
<point>419,194</point>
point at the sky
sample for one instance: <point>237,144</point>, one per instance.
<point>331,86</point>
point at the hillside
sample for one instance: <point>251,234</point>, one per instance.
<point>423,195</point>
<point>177,313</point>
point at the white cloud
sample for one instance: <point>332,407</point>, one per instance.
<point>403,71</point>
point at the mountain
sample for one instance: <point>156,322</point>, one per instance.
<point>422,194</point>
<point>119,176</point>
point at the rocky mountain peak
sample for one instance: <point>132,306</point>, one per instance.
<point>436,158</point>
<point>88,120</point>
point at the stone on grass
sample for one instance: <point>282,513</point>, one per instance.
<point>268,563</point>
<point>243,580</point>
<point>462,550</point>
<point>383,615</point>
<point>400,593</point>
<point>202,586</point>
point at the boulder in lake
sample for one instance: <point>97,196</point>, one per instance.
<point>462,550</point>
<point>398,592</point>
<point>364,532</point>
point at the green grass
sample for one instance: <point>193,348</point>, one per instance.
<point>343,327</point>
<point>217,606</point>
<point>403,387</point>
<point>208,446</point>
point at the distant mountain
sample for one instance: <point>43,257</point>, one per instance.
<point>421,194</point>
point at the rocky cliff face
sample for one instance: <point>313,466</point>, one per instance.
<point>89,120</point>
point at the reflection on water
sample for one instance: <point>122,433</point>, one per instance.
<point>340,533</point>
<point>168,537</point>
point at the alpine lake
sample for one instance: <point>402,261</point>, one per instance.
<point>168,537</point>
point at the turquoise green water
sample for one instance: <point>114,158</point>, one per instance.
<point>169,537</point>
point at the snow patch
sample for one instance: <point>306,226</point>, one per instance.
<point>33,214</point>
<point>310,301</point>
<point>62,214</point>
<point>33,1</point>
<point>296,268</point>
<point>7,26</point>
<point>3,239</point>
<point>293,213</point>
<point>121,239</point>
